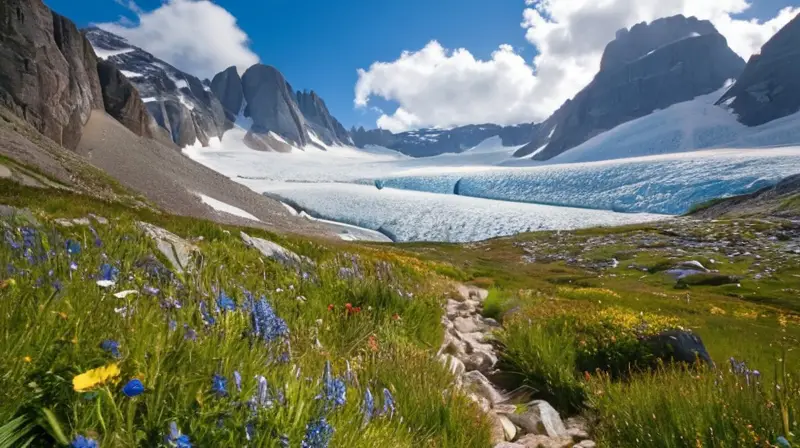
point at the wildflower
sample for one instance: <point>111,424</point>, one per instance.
<point>208,319</point>
<point>173,325</point>
<point>133,388</point>
<point>83,442</point>
<point>153,291</point>
<point>112,347</point>
<point>57,286</point>
<point>334,389</point>
<point>123,311</point>
<point>11,241</point>
<point>373,343</point>
<point>261,398</point>
<point>27,359</point>
<point>73,247</point>
<point>109,272</point>
<point>395,316</point>
<point>6,283</point>
<point>97,241</point>
<point>225,303</point>
<point>190,335</point>
<point>170,304</point>
<point>219,384</point>
<point>330,307</point>
<point>266,324</point>
<point>175,438</point>
<point>95,377</point>
<point>368,409</point>
<point>318,434</point>
<point>73,266</point>
<point>388,403</point>
<point>249,431</point>
<point>237,380</point>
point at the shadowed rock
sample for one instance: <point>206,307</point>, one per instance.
<point>271,104</point>
<point>679,346</point>
<point>227,86</point>
<point>122,100</point>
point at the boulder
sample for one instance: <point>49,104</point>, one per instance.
<point>679,346</point>
<point>275,251</point>
<point>769,87</point>
<point>483,387</point>
<point>543,441</point>
<point>707,279</point>
<point>178,251</point>
<point>122,101</point>
<point>453,364</point>
<point>541,419</point>
<point>585,444</point>
<point>466,325</point>
<point>502,428</point>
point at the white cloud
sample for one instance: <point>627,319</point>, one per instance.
<point>437,87</point>
<point>196,36</point>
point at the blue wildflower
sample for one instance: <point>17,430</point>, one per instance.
<point>151,290</point>
<point>73,266</point>
<point>11,241</point>
<point>83,442</point>
<point>208,319</point>
<point>57,286</point>
<point>388,403</point>
<point>334,389</point>
<point>318,434</point>
<point>133,388</point>
<point>112,347</point>
<point>73,247</point>
<point>108,272</point>
<point>97,241</point>
<point>173,325</point>
<point>237,380</point>
<point>250,431</point>
<point>219,385</point>
<point>266,324</point>
<point>782,442</point>
<point>190,334</point>
<point>28,237</point>
<point>175,439</point>
<point>225,303</point>
<point>368,409</point>
<point>171,304</point>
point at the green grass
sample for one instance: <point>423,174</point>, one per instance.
<point>50,335</point>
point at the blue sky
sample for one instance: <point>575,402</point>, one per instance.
<point>320,44</point>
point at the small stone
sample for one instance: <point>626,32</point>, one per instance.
<point>480,361</point>
<point>509,430</point>
<point>466,325</point>
<point>81,222</point>
<point>454,364</point>
<point>63,222</point>
<point>508,445</point>
<point>99,219</point>
<point>543,441</point>
<point>578,434</point>
<point>177,250</point>
<point>483,387</point>
<point>274,251</point>
<point>540,418</point>
<point>586,444</point>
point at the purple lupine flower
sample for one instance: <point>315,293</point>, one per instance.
<point>334,390</point>
<point>250,431</point>
<point>318,434</point>
<point>190,334</point>
<point>208,319</point>
<point>388,403</point>
<point>237,380</point>
<point>83,442</point>
<point>266,324</point>
<point>173,325</point>
<point>261,398</point>
<point>151,290</point>
<point>11,241</point>
<point>108,273</point>
<point>219,385</point>
<point>97,241</point>
<point>368,409</point>
<point>225,303</point>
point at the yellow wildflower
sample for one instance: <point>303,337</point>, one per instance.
<point>27,359</point>
<point>95,377</point>
<point>6,283</point>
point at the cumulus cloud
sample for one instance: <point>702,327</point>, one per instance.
<point>196,36</point>
<point>438,87</point>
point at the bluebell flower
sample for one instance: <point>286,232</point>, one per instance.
<point>219,385</point>
<point>73,247</point>
<point>151,290</point>
<point>266,324</point>
<point>284,358</point>
<point>175,439</point>
<point>250,432</point>
<point>73,266</point>
<point>11,241</point>
<point>173,325</point>
<point>57,285</point>
<point>225,303</point>
<point>83,442</point>
<point>28,237</point>
<point>11,270</point>
<point>170,304</point>
<point>108,272</point>
<point>97,241</point>
<point>388,403</point>
<point>133,388</point>
<point>237,380</point>
<point>368,409</point>
<point>318,434</point>
<point>208,319</point>
<point>112,347</point>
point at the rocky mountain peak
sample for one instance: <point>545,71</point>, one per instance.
<point>227,86</point>
<point>271,105</point>
<point>643,38</point>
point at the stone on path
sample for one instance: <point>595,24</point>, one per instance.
<point>483,387</point>
<point>543,441</point>
<point>5,173</point>
<point>176,249</point>
<point>540,419</point>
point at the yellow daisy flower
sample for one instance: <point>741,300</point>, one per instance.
<point>95,377</point>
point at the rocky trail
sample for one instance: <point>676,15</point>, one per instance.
<point>517,421</point>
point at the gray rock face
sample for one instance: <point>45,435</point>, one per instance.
<point>320,121</point>
<point>122,101</point>
<point>651,67</point>
<point>271,105</point>
<point>431,142</point>
<point>769,87</point>
<point>178,101</point>
<point>227,86</point>
<point>46,73</point>
<point>178,251</point>
<point>642,38</point>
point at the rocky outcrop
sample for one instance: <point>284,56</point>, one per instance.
<point>270,104</point>
<point>122,101</point>
<point>179,102</point>
<point>320,121</point>
<point>432,142</point>
<point>227,86</point>
<point>47,74</point>
<point>769,87</point>
<point>648,68</point>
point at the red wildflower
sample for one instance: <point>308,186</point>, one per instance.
<point>395,316</point>
<point>373,343</point>
<point>330,307</point>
